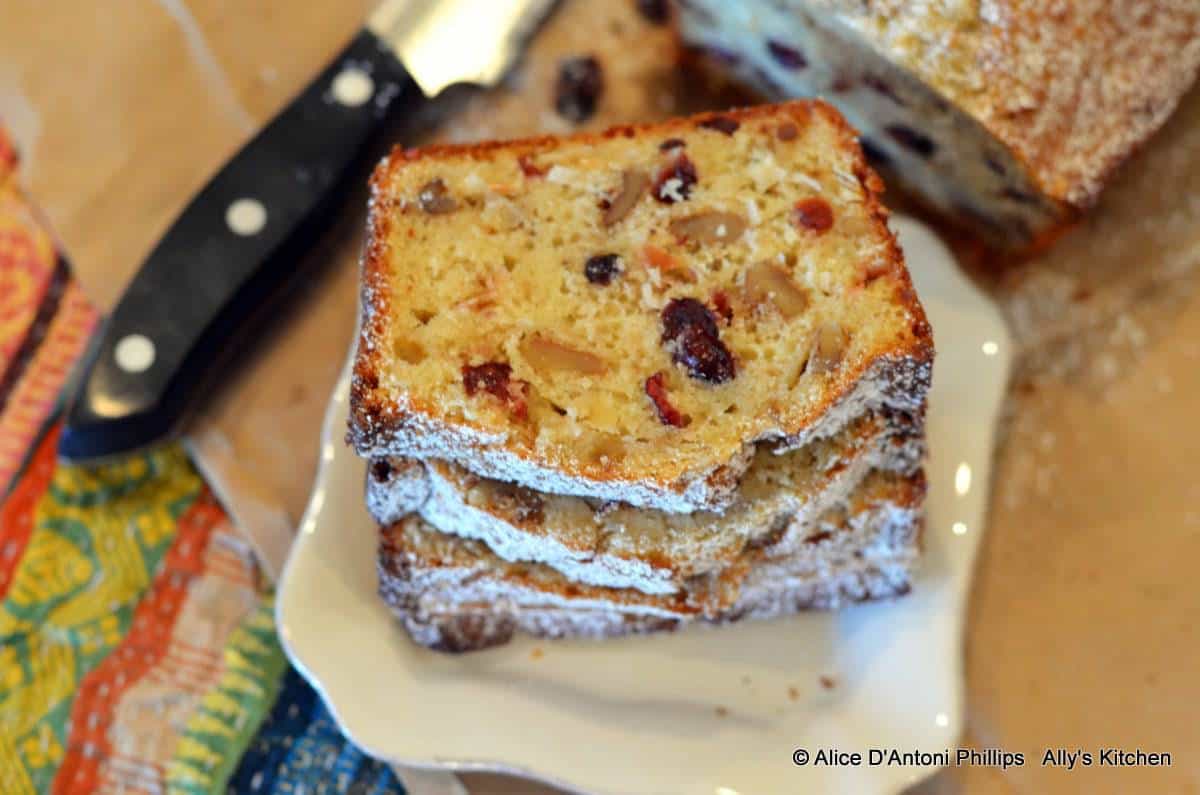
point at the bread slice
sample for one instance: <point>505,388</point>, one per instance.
<point>1008,115</point>
<point>623,316</point>
<point>614,545</point>
<point>455,594</point>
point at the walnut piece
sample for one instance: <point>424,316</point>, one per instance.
<point>633,184</point>
<point>712,226</point>
<point>829,346</point>
<point>545,354</point>
<point>768,283</point>
<point>434,199</point>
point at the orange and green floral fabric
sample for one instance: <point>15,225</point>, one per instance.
<point>137,644</point>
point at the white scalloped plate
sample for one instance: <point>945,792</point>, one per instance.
<point>705,710</point>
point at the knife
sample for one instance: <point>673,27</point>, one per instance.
<point>243,233</point>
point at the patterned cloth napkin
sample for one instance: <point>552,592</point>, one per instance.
<point>137,640</point>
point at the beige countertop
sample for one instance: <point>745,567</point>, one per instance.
<point>1082,627</point>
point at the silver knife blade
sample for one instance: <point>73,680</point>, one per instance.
<point>443,42</point>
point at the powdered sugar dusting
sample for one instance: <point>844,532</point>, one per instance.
<point>568,539</point>
<point>459,597</point>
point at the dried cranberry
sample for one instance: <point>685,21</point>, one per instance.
<point>786,132</point>
<point>493,378</point>
<point>883,87</point>
<point>601,268</point>
<point>674,182</point>
<point>813,213</point>
<point>656,390</point>
<point>435,199</point>
<point>381,470</point>
<point>691,335</point>
<point>722,55</point>
<point>918,142</point>
<point>580,83</point>
<point>530,168</point>
<point>721,124</point>
<point>671,143</point>
<point>654,10</point>
<point>683,314</point>
<point>785,56</point>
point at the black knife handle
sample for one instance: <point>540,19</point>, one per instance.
<point>238,238</point>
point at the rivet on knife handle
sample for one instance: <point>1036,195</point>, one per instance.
<point>243,233</point>
<point>237,239</point>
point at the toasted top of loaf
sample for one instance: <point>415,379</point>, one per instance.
<point>621,315</point>
<point>1070,87</point>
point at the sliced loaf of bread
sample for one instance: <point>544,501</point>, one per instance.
<point>780,500</point>
<point>1009,115</point>
<point>455,594</point>
<point>624,316</point>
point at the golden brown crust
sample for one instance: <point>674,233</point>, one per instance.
<point>905,293</point>
<point>376,417</point>
<point>1103,76</point>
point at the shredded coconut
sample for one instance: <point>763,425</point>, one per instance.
<point>671,189</point>
<point>562,175</point>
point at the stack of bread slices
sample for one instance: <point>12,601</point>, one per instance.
<point>625,382</point>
